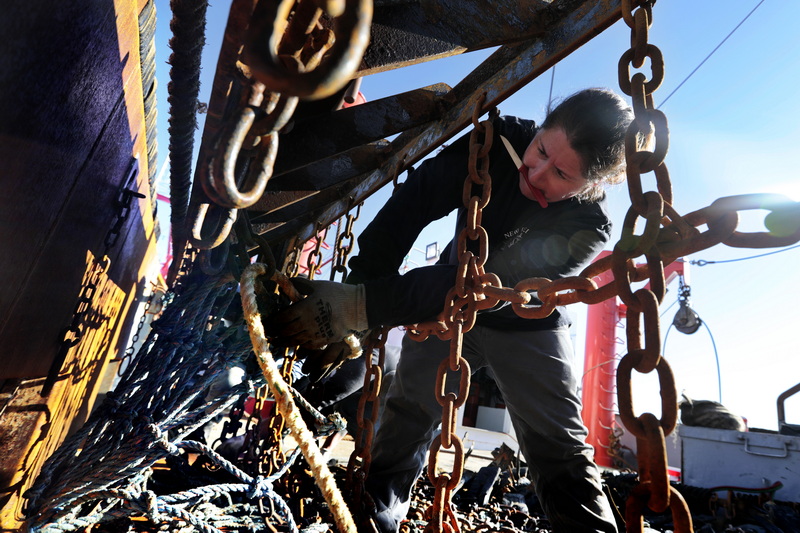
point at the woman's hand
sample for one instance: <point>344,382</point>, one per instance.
<point>329,312</point>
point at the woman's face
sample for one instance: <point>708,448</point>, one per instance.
<point>553,167</point>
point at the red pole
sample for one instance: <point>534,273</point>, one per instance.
<point>599,372</point>
<point>600,369</point>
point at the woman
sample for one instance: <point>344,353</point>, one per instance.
<point>548,221</point>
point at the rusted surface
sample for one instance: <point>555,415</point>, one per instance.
<point>318,137</point>
<point>310,205</point>
<point>502,74</point>
<point>310,155</point>
<point>406,33</point>
<point>331,170</point>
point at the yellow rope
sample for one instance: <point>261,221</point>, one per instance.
<point>286,405</point>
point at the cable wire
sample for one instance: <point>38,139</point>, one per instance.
<point>552,80</point>
<point>716,355</point>
<point>703,262</point>
<point>664,312</point>
<point>709,55</point>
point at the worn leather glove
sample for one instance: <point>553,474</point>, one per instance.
<point>328,313</point>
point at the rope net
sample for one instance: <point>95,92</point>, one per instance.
<point>112,469</point>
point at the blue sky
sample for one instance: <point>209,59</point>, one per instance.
<point>733,130</point>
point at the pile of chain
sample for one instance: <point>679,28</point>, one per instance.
<point>511,506</point>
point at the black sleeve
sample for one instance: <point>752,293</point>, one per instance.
<point>416,296</point>
<point>431,192</point>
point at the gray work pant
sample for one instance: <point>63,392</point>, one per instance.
<point>534,372</point>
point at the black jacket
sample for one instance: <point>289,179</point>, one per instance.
<point>525,240</point>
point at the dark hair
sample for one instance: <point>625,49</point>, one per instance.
<point>595,122</point>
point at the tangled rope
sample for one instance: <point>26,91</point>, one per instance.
<point>104,472</point>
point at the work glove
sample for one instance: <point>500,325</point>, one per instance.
<point>329,312</point>
<point>320,364</point>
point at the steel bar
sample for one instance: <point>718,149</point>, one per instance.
<point>317,137</point>
<point>330,171</point>
<point>408,33</point>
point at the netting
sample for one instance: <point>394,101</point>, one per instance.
<point>109,470</point>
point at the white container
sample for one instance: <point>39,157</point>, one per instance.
<point>752,460</point>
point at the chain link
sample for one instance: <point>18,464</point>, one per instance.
<point>367,415</point>
<point>127,357</point>
<point>287,51</point>
<point>287,40</point>
<point>315,260</point>
<point>344,245</point>
<point>654,490</point>
<point>461,307</point>
<point>246,149</point>
<point>270,453</point>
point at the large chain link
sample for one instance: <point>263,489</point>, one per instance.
<point>245,151</point>
<point>287,40</point>
<point>286,50</point>
<point>654,490</point>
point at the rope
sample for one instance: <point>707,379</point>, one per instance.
<point>188,27</point>
<point>102,472</point>
<point>285,403</point>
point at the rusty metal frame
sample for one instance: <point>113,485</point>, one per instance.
<point>502,74</point>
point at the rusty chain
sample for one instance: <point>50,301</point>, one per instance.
<point>157,293</point>
<point>286,42</point>
<point>344,245</point>
<point>366,417</point>
<point>293,262</point>
<point>245,151</point>
<point>654,490</point>
<point>270,454</point>
<point>315,259</point>
<point>665,237</point>
<point>461,307</point>
<point>282,51</point>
